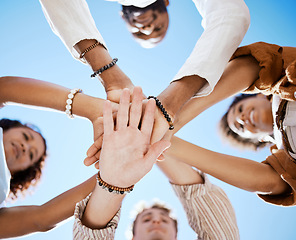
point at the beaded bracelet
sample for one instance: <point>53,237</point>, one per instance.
<point>102,69</point>
<point>162,109</point>
<point>113,189</point>
<point>89,48</point>
<point>69,101</point>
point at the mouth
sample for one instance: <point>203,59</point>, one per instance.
<point>252,118</point>
<point>16,150</point>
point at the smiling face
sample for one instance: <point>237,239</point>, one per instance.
<point>23,147</point>
<point>148,25</point>
<point>154,224</point>
<point>251,117</point>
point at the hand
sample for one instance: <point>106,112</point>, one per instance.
<point>160,130</point>
<point>126,152</point>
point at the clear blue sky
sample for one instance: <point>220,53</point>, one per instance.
<point>30,49</point>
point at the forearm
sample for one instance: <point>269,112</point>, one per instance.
<point>29,219</point>
<point>242,173</point>
<point>209,211</point>
<point>239,74</point>
<point>179,92</point>
<point>44,94</point>
<point>179,172</point>
<point>101,208</point>
<point>113,78</point>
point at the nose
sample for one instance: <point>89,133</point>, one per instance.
<point>156,220</point>
<point>147,30</point>
<point>241,118</point>
<point>25,147</point>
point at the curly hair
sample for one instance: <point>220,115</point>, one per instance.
<point>159,206</point>
<point>234,138</point>
<point>22,180</point>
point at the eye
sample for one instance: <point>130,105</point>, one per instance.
<point>240,109</point>
<point>157,29</point>
<point>31,155</point>
<point>146,220</point>
<point>164,220</point>
<point>26,136</point>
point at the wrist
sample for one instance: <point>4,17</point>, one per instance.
<point>113,188</point>
<point>115,79</point>
<point>179,92</point>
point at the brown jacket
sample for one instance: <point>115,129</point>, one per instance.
<point>277,76</point>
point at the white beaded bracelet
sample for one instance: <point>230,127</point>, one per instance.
<point>69,101</point>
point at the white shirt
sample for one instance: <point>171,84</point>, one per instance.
<point>225,23</point>
<point>4,173</point>
<point>289,124</point>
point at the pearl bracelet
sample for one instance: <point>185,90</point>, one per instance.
<point>69,101</point>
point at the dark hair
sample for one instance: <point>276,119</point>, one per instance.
<point>22,180</point>
<point>158,5</point>
<point>234,138</point>
<point>160,207</point>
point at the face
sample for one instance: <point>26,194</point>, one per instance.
<point>251,117</point>
<point>23,147</point>
<point>148,26</point>
<point>154,224</point>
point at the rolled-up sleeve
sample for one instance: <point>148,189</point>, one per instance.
<point>81,232</point>
<point>225,24</point>
<point>72,22</point>
<point>209,211</point>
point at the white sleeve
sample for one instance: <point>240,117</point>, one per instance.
<point>225,24</point>
<point>71,21</point>
<point>4,173</point>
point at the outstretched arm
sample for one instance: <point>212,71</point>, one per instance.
<point>73,23</point>
<point>239,74</point>
<point>240,172</point>
<point>225,24</point>
<point>29,219</point>
<point>48,95</point>
<point>125,158</point>
<point>209,211</point>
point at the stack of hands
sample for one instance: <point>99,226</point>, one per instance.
<point>128,139</point>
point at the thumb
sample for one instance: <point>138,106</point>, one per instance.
<point>156,150</point>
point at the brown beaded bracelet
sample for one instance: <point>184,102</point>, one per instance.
<point>111,188</point>
<point>89,48</point>
<point>165,113</point>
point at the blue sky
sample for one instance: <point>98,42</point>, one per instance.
<point>30,49</point>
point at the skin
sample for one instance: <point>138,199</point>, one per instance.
<point>251,117</point>
<point>153,224</point>
<point>148,27</point>
<point>126,155</point>
<point>242,173</point>
<point>23,147</point>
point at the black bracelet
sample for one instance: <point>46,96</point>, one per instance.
<point>162,109</point>
<point>102,69</point>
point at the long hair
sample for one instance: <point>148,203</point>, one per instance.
<point>22,180</point>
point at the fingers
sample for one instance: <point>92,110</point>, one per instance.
<point>95,147</point>
<point>156,150</point>
<point>122,114</point>
<point>107,118</point>
<point>148,118</point>
<point>136,107</point>
<point>90,160</point>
